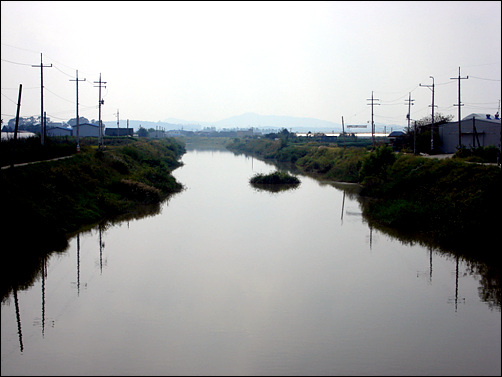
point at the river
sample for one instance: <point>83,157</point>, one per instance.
<point>227,279</point>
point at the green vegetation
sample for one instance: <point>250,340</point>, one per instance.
<point>45,202</point>
<point>317,159</point>
<point>452,203</point>
<point>479,154</point>
<point>205,142</point>
<point>275,178</point>
<point>31,149</point>
<point>62,196</point>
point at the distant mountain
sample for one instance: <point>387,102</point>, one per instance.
<point>247,120</point>
<point>186,122</point>
<point>135,124</point>
<point>277,121</point>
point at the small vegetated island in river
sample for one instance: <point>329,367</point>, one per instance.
<point>275,182</point>
<point>277,177</point>
<point>450,203</point>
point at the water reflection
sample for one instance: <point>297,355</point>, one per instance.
<point>305,298</point>
<point>488,268</point>
<point>18,320</point>
<point>26,260</point>
<point>274,188</point>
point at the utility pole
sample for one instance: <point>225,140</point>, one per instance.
<point>17,112</point>
<point>78,120</point>
<point>415,138</point>
<point>372,123</point>
<point>100,138</point>
<point>343,138</point>
<point>432,124</point>
<point>118,126</point>
<point>42,128</point>
<point>127,134</point>
<point>16,127</point>
<point>459,105</point>
<point>408,116</point>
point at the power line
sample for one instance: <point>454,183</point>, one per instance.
<point>8,99</point>
<point>481,78</point>
<point>64,73</point>
<point>8,61</point>
<point>65,99</point>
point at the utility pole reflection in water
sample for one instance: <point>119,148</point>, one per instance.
<point>78,264</point>
<point>419,273</point>
<point>100,250</point>
<point>456,299</point>
<point>44,275</point>
<point>101,247</point>
<point>343,205</point>
<point>18,319</point>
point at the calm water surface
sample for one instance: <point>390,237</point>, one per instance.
<point>230,280</point>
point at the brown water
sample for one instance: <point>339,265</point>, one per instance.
<point>230,280</point>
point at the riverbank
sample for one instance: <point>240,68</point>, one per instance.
<point>46,202</point>
<point>453,204</point>
<point>63,195</point>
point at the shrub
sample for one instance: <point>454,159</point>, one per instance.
<point>275,178</point>
<point>377,163</point>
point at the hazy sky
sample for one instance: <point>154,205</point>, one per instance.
<point>206,61</point>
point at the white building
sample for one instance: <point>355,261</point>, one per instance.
<point>476,130</point>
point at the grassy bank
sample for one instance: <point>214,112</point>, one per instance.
<point>44,203</point>
<point>61,196</point>
<point>455,204</point>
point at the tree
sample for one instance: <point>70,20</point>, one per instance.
<point>423,130</point>
<point>142,132</point>
<point>438,120</point>
<point>81,120</point>
<point>377,163</point>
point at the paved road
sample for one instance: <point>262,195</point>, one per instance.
<point>35,162</point>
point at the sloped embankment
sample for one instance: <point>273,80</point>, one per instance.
<point>59,197</point>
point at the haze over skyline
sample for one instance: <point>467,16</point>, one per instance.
<point>207,61</point>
